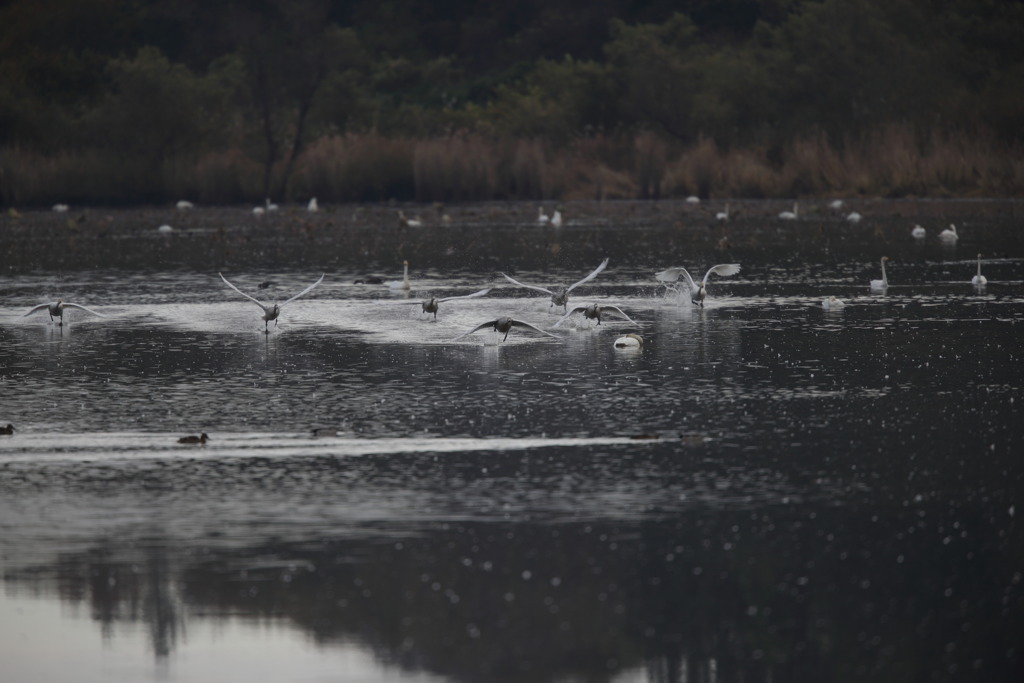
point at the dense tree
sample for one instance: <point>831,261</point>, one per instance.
<point>159,80</point>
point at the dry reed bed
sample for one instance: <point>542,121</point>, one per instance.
<point>893,162</point>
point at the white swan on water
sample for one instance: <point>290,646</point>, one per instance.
<point>723,215</point>
<point>832,303</point>
<point>271,312</point>
<point>979,279</point>
<point>949,235</point>
<point>560,295</point>
<point>629,341</point>
<point>791,215</point>
<point>883,284</point>
<point>918,233</point>
<point>542,217</point>
<point>404,282</point>
<point>698,291</point>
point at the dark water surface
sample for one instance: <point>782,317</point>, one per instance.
<point>766,491</point>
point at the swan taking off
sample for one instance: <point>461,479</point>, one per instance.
<point>594,312</point>
<point>431,304</point>
<point>949,236</point>
<point>698,291</point>
<point>560,295</point>
<point>918,233</point>
<point>791,215</point>
<point>404,282</point>
<point>979,279</point>
<point>271,312</point>
<point>56,308</point>
<point>883,284</point>
<point>502,326</point>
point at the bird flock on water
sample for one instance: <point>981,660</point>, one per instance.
<point>676,280</point>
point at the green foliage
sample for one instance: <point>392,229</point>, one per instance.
<point>603,95</point>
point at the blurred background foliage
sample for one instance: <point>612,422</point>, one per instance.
<point>128,101</point>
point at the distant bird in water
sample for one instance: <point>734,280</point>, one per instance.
<point>312,207</point>
<point>883,284</point>
<point>271,206</point>
<point>165,229</point>
<point>853,217</point>
<point>370,280</point>
<point>271,312</point>
<point>723,215</point>
<point>791,215</point>
<point>8,430</point>
<point>836,205</point>
<point>431,304</point>
<point>404,282</point>
<point>542,217</point>
<point>698,290</point>
<point>56,308</point>
<point>60,208</point>
<point>192,439</point>
<point>594,312</point>
<point>693,199</point>
<point>918,233</point>
<point>184,205</point>
<point>504,325</point>
<point>268,283</point>
<point>556,219</point>
<point>949,235</point>
<point>832,303</point>
<point>560,295</point>
<point>408,222</point>
<point>979,280</point>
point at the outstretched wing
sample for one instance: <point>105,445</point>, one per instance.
<point>517,282</point>
<point>520,323</point>
<point>305,291</point>
<point>595,273</point>
<point>40,307</point>
<point>258,302</point>
<point>672,275</point>
<point>87,310</point>
<point>619,312</point>
<point>489,323</point>
<point>482,292</point>
<point>566,316</point>
<point>722,269</point>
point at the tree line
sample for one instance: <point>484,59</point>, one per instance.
<point>126,101</point>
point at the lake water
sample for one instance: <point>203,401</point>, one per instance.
<point>765,491</point>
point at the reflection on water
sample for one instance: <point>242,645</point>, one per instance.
<point>765,491</point>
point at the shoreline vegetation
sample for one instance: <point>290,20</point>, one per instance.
<point>109,102</point>
<point>469,167</point>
